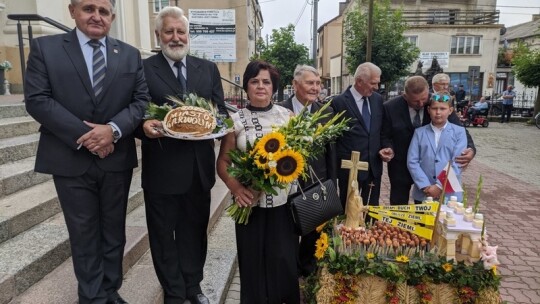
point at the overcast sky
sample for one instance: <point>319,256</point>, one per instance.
<point>279,13</point>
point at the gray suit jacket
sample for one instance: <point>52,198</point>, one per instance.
<point>59,95</point>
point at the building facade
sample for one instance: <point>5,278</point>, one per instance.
<point>528,33</point>
<point>134,24</point>
<point>463,35</point>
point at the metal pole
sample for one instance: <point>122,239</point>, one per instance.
<point>30,34</point>
<point>21,50</point>
<point>314,37</point>
<point>370,31</point>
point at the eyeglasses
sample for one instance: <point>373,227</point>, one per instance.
<point>440,98</point>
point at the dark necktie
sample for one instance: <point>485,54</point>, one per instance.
<point>416,120</point>
<point>98,66</point>
<point>365,113</point>
<point>180,76</point>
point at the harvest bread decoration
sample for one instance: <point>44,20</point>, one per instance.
<point>189,120</point>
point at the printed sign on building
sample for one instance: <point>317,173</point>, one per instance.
<point>213,34</point>
<point>442,57</point>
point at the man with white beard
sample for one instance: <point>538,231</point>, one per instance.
<point>177,175</point>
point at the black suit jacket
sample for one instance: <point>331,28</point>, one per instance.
<point>59,95</point>
<point>323,165</point>
<point>397,132</point>
<point>358,138</point>
<point>168,164</point>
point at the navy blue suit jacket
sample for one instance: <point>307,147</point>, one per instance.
<point>358,138</point>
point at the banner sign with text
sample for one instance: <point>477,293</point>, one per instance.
<point>416,229</point>
<point>426,207</point>
<point>213,34</point>
<point>426,219</point>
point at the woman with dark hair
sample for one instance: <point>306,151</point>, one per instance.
<point>267,245</point>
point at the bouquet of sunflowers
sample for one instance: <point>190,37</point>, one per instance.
<point>280,157</point>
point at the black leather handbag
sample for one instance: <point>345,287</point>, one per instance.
<point>314,205</point>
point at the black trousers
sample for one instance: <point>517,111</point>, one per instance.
<point>400,190</point>
<point>507,110</point>
<point>177,226</point>
<point>307,263</point>
<point>267,250</point>
<point>94,206</point>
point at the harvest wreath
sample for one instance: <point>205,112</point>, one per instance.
<point>192,117</point>
<point>388,262</point>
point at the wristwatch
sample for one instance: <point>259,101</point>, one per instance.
<point>115,132</point>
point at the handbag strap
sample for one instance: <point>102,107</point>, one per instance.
<point>323,187</point>
<point>312,173</point>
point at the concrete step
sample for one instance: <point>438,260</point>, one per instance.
<point>17,148</point>
<point>24,209</point>
<point>28,257</point>
<point>60,286</point>
<point>141,284</point>
<point>13,110</point>
<point>19,175</point>
<point>17,126</point>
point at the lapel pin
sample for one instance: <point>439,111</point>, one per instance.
<point>115,51</point>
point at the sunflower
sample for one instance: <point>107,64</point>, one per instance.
<point>270,143</point>
<point>321,245</point>
<point>261,161</point>
<point>402,258</point>
<point>290,164</point>
<point>447,267</point>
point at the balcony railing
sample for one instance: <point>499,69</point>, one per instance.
<point>450,17</point>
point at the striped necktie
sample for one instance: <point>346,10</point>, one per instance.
<point>180,76</point>
<point>99,67</point>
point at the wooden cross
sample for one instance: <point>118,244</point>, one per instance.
<point>354,165</point>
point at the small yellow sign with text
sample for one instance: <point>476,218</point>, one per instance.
<point>416,229</point>
<point>426,219</point>
<point>426,207</point>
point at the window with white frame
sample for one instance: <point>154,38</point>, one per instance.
<point>412,40</point>
<point>465,45</point>
<point>159,4</point>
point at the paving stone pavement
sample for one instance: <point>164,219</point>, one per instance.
<point>508,159</point>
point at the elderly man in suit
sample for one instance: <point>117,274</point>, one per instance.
<point>363,105</point>
<point>402,115</point>
<point>177,175</point>
<point>307,86</point>
<point>88,92</point>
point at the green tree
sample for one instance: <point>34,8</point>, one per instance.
<point>284,53</point>
<point>526,68</point>
<point>391,51</point>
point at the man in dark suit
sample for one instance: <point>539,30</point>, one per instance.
<point>307,86</point>
<point>402,115</point>
<point>88,92</point>
<point>363,105</point>
<point>177,175</point>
